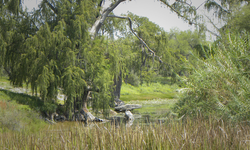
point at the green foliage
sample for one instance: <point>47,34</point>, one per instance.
<point>174,47</point>
<point>132,79</point>
<point>204,51</point>
<point>73,82</point>
<point>240,19</point>
<point>219,85</point>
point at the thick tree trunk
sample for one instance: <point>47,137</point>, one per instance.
<point>84,110</point>
<point>118,85</point>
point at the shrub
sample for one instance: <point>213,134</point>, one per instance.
<point>133,79</point>
<point>220,85</point>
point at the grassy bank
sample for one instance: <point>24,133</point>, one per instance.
<point>191,134</point>
<point>156,108</point>
<point>156,99</point>
<point>147,92</point>
<point>18,111</point>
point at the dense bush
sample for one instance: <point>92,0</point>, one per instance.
<point>220,85</point>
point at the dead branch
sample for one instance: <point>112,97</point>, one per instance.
<point>104,13</point>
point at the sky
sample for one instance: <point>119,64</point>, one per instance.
<point>155,11</point>
<point>152,9</point>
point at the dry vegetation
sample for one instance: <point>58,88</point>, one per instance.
<point>191,134</point>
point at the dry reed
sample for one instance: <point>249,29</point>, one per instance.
<point>191,134</point>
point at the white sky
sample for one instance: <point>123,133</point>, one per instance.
<point>155,11</point>
<point>152,9</point>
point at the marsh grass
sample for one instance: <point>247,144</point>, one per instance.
<point>188,134</point>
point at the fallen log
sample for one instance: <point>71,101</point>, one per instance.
<point>127,107</point>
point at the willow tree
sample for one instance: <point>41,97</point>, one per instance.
<point>87,48</point>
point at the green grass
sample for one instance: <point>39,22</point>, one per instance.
<point>147,92</point>
<point>3,79</point>
<point>156,108</point>
<point>18,111</point>
<point>156,99</point>
<point>147,96</point>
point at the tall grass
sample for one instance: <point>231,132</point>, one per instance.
<point>191,134</point>
<point>220,85</point>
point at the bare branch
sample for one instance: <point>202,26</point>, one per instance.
<point>178,13</point>
<point>141,40</point>
<point>212,23</point>
<point>200,5</point>
<point>187,19</point>
<point>212,32</point>
<point>104,13</point>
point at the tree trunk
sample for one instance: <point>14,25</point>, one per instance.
<point>118,85</point>
<point>84,110</point>
<point>93,33</point>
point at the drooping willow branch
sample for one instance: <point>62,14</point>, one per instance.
<point>141,40</point>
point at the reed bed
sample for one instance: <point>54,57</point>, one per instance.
<point>191,134</point>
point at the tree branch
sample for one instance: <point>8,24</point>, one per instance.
<point>51,7</point>
<point>32,21</point>
<point>213,4</point>
<point>141,40</point>
<point>178,13</point>
<point>186,18</point>
<point>190,5</point>
<point>104,13</point>
<point>212,23</point>
<point>200,5</point>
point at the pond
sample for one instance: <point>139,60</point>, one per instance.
<point>152,111</point>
